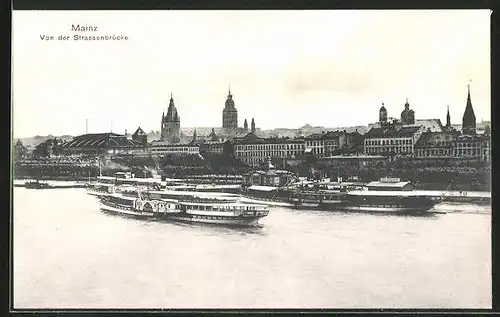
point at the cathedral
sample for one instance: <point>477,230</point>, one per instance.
<point>229,114</point>
<point>170,124</point>
<point>171,130</point>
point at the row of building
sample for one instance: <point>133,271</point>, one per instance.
<point>386,138</point>
<point>428,140</point>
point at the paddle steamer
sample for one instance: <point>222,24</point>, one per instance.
<point>194,207</point>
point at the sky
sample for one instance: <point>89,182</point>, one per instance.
<point>285,68</point>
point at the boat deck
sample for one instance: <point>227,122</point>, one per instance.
<point>429,193</point>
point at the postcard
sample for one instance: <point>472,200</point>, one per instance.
<point>251,159</point>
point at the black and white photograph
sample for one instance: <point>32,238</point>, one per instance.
<point>251,159</point>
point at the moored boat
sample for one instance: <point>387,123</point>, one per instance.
<point>36,185</point>
<point>388,195</point>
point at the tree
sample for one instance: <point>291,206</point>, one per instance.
<point>19,150</point>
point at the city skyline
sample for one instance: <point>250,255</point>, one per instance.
<point>331,68</point>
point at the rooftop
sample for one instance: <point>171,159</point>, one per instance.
<point>251,138</point>
<point>387,184</point>
<point>432,138</point>
<point>102,140</point>
<point>392,131</point>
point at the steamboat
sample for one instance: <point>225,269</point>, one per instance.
<point>388,195</point>
<point>174,205</point>
<point>211,208</point>
<point>385,195</point>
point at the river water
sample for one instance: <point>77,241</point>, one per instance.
<point>68,254</point>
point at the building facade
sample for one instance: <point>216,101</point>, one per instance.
<point>435,145</point>
<point>392,140</point>
<point>334,142</point>
<point>468,146</point>
<point>160,148</point>
<point>486,148</point>
<point>254,151</point>
<point>315,144</point>
<point>212,147</point>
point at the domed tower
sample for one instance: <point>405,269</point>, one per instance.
<point>253,126</point>
<point>408,115</point>
<point>245,125</point>
<point>382,114</point>
<point>230,114</point>
<point>170,125</point>
<point>469,118</point>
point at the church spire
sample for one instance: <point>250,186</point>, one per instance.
<point>448,119</point>
<point>469,118</point>
<point>172,114</point>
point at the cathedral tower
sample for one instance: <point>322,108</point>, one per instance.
<point>253,126</point>
<point>469,118</point>
<point>230,114</point>
<point>245,126</point>
<point>170,124</point>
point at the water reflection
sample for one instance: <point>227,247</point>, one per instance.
<point>350,213</point>
<point>296,259</point>
<point>217,228</point>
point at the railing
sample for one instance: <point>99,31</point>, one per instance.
<point>118,206</point>
<point>274,199</point>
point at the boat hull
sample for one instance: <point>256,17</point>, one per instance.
<point>215,220</point>
<point>306,205</point>
<point>388,204</point>
<point>126,211</point>
<point>401,210</point>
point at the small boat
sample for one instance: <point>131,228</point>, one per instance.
<point>36,185</point>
